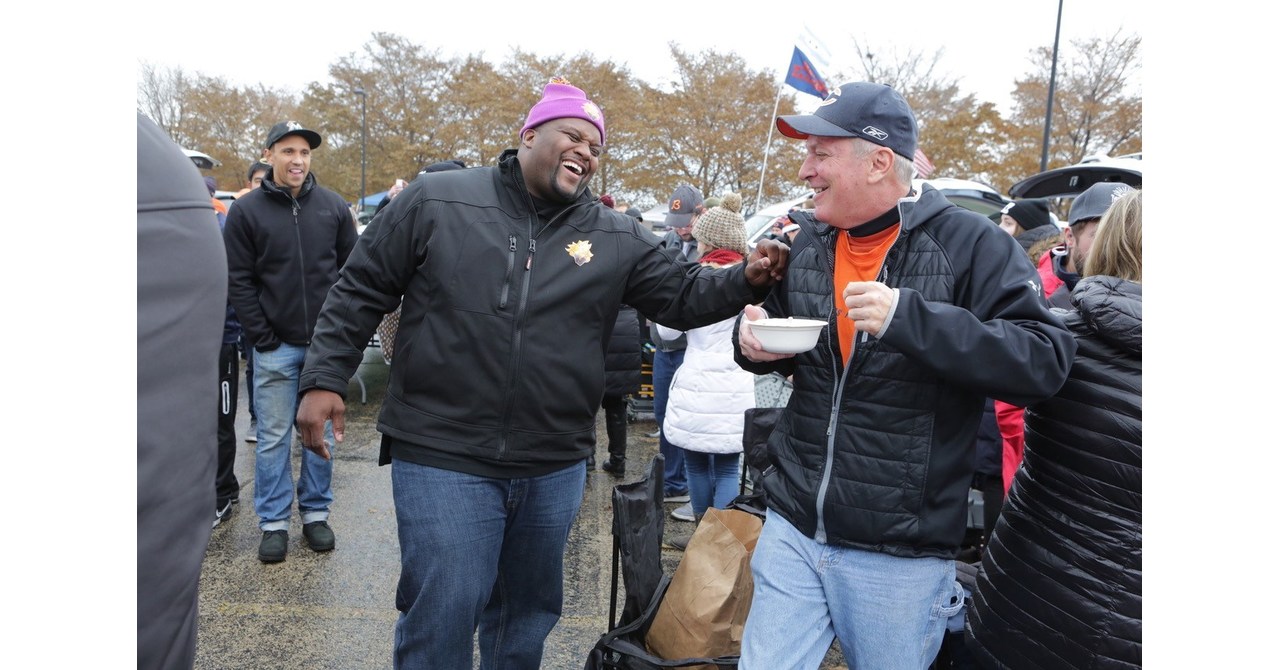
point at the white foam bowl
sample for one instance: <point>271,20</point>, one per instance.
<point>787,336</point>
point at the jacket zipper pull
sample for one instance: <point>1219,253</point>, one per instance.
<point>532,249</point>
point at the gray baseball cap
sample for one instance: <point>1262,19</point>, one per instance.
<point>1093,202</point>
<point>684,203</point>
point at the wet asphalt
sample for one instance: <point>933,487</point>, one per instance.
<point>336,610</point>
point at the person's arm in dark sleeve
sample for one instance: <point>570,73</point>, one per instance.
<point>685,296</point>
<point>371,284</point>
<point>242,286</point>
<point>1000,340</point>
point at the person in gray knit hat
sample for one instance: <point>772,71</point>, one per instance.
<point>711,392</point>
<point>722,226</point>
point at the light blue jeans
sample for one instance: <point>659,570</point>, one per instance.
<point>713,479</point>
<point>275,400</point>
<point>889,612</point>
<point>480,552</point>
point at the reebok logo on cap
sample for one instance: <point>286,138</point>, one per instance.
<point>873,112</point>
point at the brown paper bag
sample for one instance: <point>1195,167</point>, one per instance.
<point>705,607</point>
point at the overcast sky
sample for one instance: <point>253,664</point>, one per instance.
<point>986,43</point>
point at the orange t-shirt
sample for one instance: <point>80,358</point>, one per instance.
<point>857,259</point>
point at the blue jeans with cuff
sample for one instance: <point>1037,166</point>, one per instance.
<point>275,395</point>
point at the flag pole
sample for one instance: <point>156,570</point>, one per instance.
<point>768,144</point>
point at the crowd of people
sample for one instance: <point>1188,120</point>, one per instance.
<point>939,321</point>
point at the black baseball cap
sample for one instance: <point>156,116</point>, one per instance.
<point>873,112</point>
<point>285,128</point>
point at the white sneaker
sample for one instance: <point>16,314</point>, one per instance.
<point>683,512</point>
<point>220,514</point>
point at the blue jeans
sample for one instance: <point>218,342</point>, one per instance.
<point>889,612</point>
<point>713,479</point>
<point>480,552</point>
<point>665,363</point>
<point>275,396</point>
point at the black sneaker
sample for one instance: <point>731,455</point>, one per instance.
<point>319,537</point>
<point>679,542</point>
<point>274,546</point>
<point>614,466</point>
<point>252,434</point>
<point>221,512</point>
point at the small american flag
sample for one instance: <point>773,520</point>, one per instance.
<point>923,166</point>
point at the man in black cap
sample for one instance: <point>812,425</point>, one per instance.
<point>285,243</point>
<point>872,461</point>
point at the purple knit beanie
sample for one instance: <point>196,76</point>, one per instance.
<point>563,100</point>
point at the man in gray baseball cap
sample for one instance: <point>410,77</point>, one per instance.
<point>1067,260</point>
<point>929,310</point>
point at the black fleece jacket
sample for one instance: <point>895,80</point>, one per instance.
<point>283,255</point>
<point>499,360</point>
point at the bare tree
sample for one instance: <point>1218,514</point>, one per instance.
<point>1096,104</point>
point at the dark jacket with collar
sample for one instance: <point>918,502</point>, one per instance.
<point>283,255</point>
<point>1060,583</point>
<point>500,350</point>
<point>878,455</point>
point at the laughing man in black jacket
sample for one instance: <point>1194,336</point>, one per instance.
<point>872,460</point>
<point>511,276</point>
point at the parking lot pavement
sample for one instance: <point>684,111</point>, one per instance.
<point>337,609</point>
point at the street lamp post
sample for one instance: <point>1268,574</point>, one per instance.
<point>364,136</point>
<point>1052,85</point>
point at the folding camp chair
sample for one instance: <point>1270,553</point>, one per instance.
<point>638,520</point>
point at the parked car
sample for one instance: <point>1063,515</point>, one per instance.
<point>1074,179</point>
<point>202,160</point>
<point>227,197</point>
<point>972,195</point>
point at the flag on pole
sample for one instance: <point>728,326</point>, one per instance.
<point>809,56</point>
<point>923,166</point>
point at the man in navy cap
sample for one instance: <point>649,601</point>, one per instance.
<point>872,461</point>
<point>285,243</point>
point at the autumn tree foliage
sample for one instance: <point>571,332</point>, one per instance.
<point>710,124</point>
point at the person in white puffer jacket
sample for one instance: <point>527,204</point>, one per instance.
<point>711,392</point>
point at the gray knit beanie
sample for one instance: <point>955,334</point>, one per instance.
<point>723,226</point>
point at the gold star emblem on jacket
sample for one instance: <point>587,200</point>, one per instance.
<point>580,251</point>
